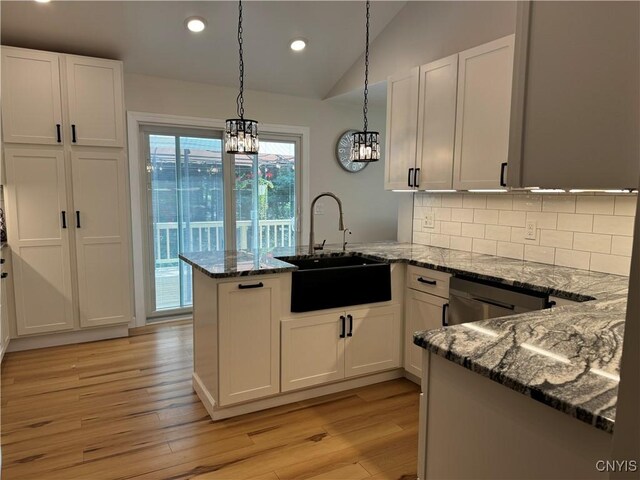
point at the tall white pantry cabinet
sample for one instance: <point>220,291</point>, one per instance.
<point>65,178</point>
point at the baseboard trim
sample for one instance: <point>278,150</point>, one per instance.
<point>414,378</point>
<point>66,338</point>
<point>220,413</point>
<point>4,350</point>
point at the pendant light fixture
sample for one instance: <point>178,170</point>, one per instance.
<point>366,145</point>
<point>241,135</point>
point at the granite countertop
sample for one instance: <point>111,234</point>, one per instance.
<point>567,357</point>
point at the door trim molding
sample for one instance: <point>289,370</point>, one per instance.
<point>136,152</point>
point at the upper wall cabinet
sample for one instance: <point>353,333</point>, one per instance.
<point>402,117</point>
<point>35,111</point>
<point>460,135</point>
<point>575,112</point>
<point>482,115</point>
<point>31,103</point>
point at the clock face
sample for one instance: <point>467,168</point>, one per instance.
<point>343,153</point>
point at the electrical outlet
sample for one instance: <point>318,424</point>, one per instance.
<point>530,230</point>
<point>319,210</point>
<point>429,220</point>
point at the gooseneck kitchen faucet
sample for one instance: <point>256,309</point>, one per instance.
<point>312,246</point>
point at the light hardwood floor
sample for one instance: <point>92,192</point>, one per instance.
<point>124,408</point>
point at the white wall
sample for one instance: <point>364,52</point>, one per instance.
<point>370,212</point>
<point>426,31</point>
<point>587,231</point>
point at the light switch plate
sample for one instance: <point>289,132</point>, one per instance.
<point>430,220</point>
<point>530,230</point>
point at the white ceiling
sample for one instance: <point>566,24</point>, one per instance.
<point>151,39</point>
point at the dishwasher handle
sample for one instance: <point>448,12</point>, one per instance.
<point>445,319</point>
<point>494,303</point>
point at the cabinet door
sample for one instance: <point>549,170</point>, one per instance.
<point>102,238</point>
<point>312,351</point>
<point>423,312</point>
<point>483,113</point>
<point>437,123</point>
<point>249,340</point>
<point>373,340</point>
<point>402,124</point>
<point>31,105</point>
<point>96,110</point>
<point>4,317</point>
<point>36,198</point>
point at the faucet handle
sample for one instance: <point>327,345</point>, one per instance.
<point>320,246</point>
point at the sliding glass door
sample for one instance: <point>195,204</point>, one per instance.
<point>198,199</point>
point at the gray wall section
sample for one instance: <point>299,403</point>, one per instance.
<point>426,31</point>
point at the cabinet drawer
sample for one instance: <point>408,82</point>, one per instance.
<point>428,281</point>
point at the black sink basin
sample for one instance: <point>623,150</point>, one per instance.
<point>333,282</point>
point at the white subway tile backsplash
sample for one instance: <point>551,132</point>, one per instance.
<point>472,230</point>
<point>559,203</point>
<point>615,225</point>
<point>592,242</point>
<point>461,243</point>
<point>626,205</point>
<point>511,250</point>
<point>453,200</point>
<point>481,245</point>
<point>586,231</point>
<point>621,245</point>
<point>595,204</point>
<point>535,253</point>
<point>615,264</point>
<point>529,203</point>
<point>462,215</point>
<point>556,238</point>
<point>574,222</point>
<point>573,259</point>
<point>497,232</point>
<point>512,219</point>
<point>472,200</point>
<point>488,217</point>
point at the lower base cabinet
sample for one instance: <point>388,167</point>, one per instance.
<point>329,347</point>
<point>423,312</point>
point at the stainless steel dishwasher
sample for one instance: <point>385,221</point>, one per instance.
<point>473,300</point>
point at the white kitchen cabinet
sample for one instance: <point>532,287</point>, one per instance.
<point>483,115</point>
<point>102,237</point>
<point>402,117</point>
<point>575,111</point>
<point>423,311</point>
<point>96,106</point>
<point>437,123</point>
<point>31,100</point>
<point>249,339</point>
<point>5,333</point>
<point>328,347</point>
<point>38,219</point>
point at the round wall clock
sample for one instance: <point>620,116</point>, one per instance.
<point>343,153</point>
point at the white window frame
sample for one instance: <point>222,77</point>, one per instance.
<point>135,120</point>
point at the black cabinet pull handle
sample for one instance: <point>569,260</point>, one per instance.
<point>445,320</point>
<point>77,218</point>
<point>2,260</point>
<point>409,177</point>
<point>350,334</point>
<point>342,326</point>
<point>416,178</point>
<point>428,282</point>
<point>73,134</point>
<point>503,167</point>
<point>64,219</point>
<point>59,133</point>
<point>4,275</point>
<point>253,285</point>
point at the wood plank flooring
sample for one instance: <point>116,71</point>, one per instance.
<point>125,408</point>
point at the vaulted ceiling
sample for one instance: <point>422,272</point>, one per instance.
<point>150,37</point>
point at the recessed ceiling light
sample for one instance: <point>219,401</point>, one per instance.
<point>196,24</point>
<point>298,44</point>
<point>43,1</point>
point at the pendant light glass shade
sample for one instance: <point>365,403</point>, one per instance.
<point>241,135</point>
<point>365,146</point>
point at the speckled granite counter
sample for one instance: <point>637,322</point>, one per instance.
<point>568,357</point>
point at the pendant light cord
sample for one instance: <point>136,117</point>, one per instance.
<point>366,74</point>
<point>240,98</point>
